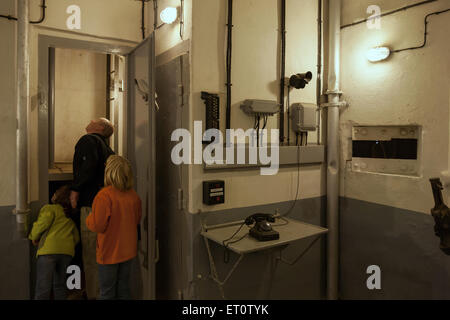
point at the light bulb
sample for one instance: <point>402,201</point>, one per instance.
<point>378,54</point>
<point>169,15</point>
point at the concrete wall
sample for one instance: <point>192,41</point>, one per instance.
<point>80,95</point>
<point>385,218</point>
<point>255,75</point>
<point>411,87</point>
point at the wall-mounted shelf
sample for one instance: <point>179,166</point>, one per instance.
<point>288,155</point>
<point>294,230</point>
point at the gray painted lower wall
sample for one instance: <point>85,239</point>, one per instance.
<point>304,280</point>
<point>401,242</point>
<point>15,263</point>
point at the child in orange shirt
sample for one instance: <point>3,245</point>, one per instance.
<point>116,213</point>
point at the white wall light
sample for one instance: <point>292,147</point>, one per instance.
<point>169,15</point>
<point>378,54</point>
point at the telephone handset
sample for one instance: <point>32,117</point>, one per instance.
<point>262,230</point>
<point>257,217</point>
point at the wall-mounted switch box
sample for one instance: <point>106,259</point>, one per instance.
<point>213,192</point>
<point>260,107</point>
<point>386,149</point>
<point>304,117</point>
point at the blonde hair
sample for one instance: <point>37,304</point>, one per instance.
<point>118,173</point>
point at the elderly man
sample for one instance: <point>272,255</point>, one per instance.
<point>91,153</point>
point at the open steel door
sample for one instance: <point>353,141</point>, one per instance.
<point>141,153</point>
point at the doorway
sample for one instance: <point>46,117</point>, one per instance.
<point>80,81</point>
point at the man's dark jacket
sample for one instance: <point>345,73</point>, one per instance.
<point>89,161</point>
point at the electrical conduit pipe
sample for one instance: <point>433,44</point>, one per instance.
<point>22,97</point>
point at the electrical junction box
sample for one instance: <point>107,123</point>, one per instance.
<point>304,117</point>
<point>213,192</point>
<point>260,107</point>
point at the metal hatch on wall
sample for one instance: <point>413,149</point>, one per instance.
<point>141,151</point>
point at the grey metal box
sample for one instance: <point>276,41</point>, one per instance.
<point>304,117</point>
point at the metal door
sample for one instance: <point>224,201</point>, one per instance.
<point>141,152</point>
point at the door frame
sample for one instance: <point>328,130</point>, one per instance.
<point>45,106</point>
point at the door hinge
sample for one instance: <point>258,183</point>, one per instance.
<point>180,199</point>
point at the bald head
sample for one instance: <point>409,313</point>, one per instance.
<point>101,126</point>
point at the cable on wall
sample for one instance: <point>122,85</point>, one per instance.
<point>228,62</point>
<point>425,33</point>
<point>283,68</point>
<point>388,13</point>
<point>181,19</point>
<point>143,19</point>
<point>43,6</point>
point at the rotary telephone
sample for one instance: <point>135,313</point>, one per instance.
<point>262,229</point>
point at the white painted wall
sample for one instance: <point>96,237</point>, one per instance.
<point>255,74</point>
<point>80,96</point>
<point>7,105</point>
<point>412,87</point>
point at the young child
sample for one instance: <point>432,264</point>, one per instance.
<point>56,235</point>
<point>116,213</point>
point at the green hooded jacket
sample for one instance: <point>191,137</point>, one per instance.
<point>57,233</point>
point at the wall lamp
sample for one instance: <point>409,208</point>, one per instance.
<point>378,54</point>
<point>169,15</point>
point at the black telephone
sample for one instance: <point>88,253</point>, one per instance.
<point>262,230</point>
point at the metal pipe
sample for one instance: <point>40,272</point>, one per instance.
<point>334,14</point>
<point>319,68</point>
<point>283,68</point>
<point>51,107</point>
<point>22,97</point>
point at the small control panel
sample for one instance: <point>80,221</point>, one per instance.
<point>213,192</point>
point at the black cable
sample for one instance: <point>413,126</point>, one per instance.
<point>387,13</point>
<point>9,17</point>
<point>283,68</point>
<point>228,63</point>
<point>155,15</point>
<point>181,19</point>
<point>425,33</point>
<point>265,121</point>
<point>143,19</point>
<point>226,256</point>
<point>306,138</point>
<point>298,184</point>
<point>43,6</point>
<point>289,115</point>
<point>257,130</point>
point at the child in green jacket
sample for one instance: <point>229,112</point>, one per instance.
<point>56,236</point>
